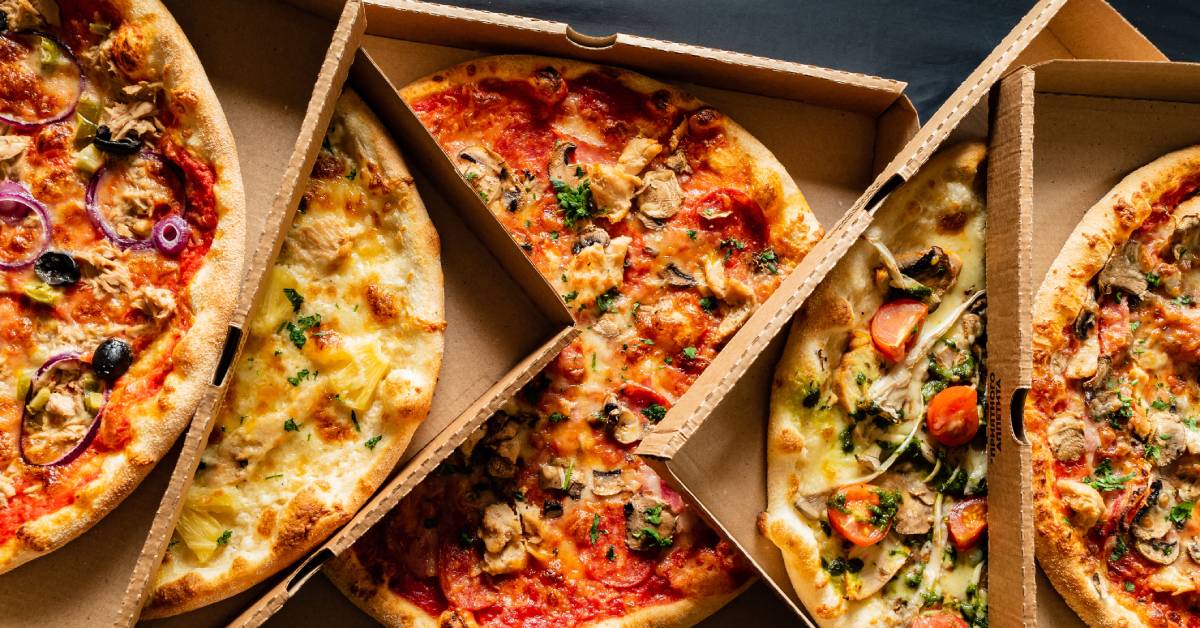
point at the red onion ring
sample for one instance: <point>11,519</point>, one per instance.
<point>171,235</point>
<point>15,201</point>
<point>84,442</point>
<point>97,216</point>
<point>67,111</point>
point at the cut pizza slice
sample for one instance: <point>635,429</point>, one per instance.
<point>1110,416</point>
<point>663,224</point>
<point>877,474</point>
<point>336,375</point>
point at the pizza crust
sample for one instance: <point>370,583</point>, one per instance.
<point>213,298</point>
<point>308,519</point>
<point>819,337</point>
<point>1108,223</point>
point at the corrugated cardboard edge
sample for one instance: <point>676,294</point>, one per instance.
<point>694,406</point>
<point>1012,599</point>
<point>413,473</point>
<point>320,110</point>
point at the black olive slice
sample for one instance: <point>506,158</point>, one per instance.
<point>57,269</point>
<point>112,358</point>
<point>106,143</point>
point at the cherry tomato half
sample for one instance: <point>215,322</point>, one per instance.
<point>941,620</point>
<point>895,324</point>
<point>953,415</point>
<point>849,511</point>
<point>967,522</point>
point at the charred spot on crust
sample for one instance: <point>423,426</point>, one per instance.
<point>704,121</point>
<point>327,167</point>
<point>952,222</point>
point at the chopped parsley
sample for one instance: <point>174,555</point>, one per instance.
<point>1182,300</point>
<point>655,540</point>
<point>708,304</point>
<point>604,302</point>
<point>354,420</point>
<point>767,261</point>
<point>691,233</point>
<point>576,203</point>
<point>465,539</point>
<point>654,514</point>
<point>1129,586</point>
<point>570,296</point>
<point>301,375</point>
<point>291,425</point>
<point>296,330</point>
<point>1153,280</point>
<point>373,441</point>
<point>567,476</point>
<point>883,513</point>
<point>352,174</point>
<point>1180,514</point>
<point>847,439</point>
<point>838,503</point>
<point>1159,404</point>
<point>595,532</point>
<point>1103,479</point>
<point>1120,549</point>
<point>224,538</point>
<point>294,298</point>
<point>557,417</point>
<point>689,353</point>
<point>655,412</point>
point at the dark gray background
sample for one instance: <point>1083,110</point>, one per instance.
<point>931,44</point>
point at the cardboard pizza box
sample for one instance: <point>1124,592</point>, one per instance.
<point>850,126</point>
<point>712,444</point>
<point>1077,128</point>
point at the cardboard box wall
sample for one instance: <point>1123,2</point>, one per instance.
<point>851,126</point>
<point>1078,127</point>
<point>712,445</point>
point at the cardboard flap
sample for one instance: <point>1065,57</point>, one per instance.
<point>410,476</point>
<point>1011,592</point>
<point>316,119</point>
<point>1138,80</point>
<point>481,30</point>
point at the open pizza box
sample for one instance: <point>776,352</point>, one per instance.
<point>1074,129</point>
<point>503,319</point>
<point>712,444</point>
<point>851,126</point>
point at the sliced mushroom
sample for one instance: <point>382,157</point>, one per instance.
<point>1151,521</point>
<point>660,196</point>
<point>881,562</point>
<point>1085,504</point>
<point>1085,321</point>
<point>896,277</point>
<point>678,162</point>
<point>1193,550</point>
<point>649,524</point>
<point>933,267</point>
<point>592,235</point>
<point>812,506</point>
<point>1124,271</point>
<point>1171,438</point>
<point>483,168</point>
<point>562,166</point>
<point>677,278</point>
<point>915,515</point>
<point>1185,240</point>
<point>1066,437</point>
<point>608,483</point>
<point>1164,550</point>
<point>628,428</point>
<point>554,475</point>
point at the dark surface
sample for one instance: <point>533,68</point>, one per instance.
<point>931,44</point>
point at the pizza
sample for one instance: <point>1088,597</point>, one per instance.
<point>1111,413</point>
<point>337,372</point>
<point>663,224</point>
<point>121,222</point>
<point>877,463</point>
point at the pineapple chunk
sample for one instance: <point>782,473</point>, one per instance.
<point>199,531</point>
<point>356,381</point>
<point>275,308</point>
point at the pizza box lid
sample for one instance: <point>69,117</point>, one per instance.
<point>712,444</point>
<point>854,125</point>
<point>1077,128</point>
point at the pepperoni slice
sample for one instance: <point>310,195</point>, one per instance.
<point>735,215</point>
<point>608,559</point>
<point>460,580</point>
